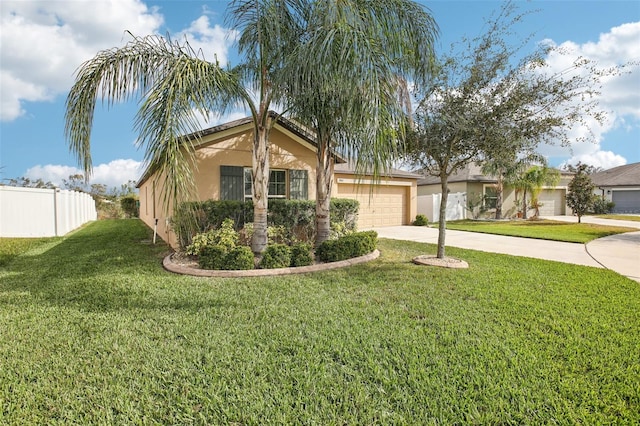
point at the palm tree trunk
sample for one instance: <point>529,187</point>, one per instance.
<point>324,182</point>
<point>442,223</point>
<point>260,164</point>
<point>524,204</point>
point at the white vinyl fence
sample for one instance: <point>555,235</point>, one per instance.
<point>429,205</point>
<point>36,212</point>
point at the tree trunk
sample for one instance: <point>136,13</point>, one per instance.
<point>524,204</point>
<point>499,191</point>
<point>260,164</point>
<point>442,223</point>
<point>324,182</point>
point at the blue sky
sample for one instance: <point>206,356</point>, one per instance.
<point>43,42</point>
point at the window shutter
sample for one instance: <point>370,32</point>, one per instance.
<point>231,183</point>
<point>298,185</point>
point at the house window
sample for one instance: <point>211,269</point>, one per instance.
<point>248,183</point>
<point>490,197</point>
<point>278,184</point>
<point>298,185</point>
<point>236,183</point>
<point>231,183</point>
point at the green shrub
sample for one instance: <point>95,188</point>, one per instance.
<point>130,206</point>
<point>421,220</point>
<point>301,254</point>
<point>344,210</point>
<point>297,216</point>
<point>602,206</point>
<point>339,229</point>
<point>245,234</point>
<point>276,256</point>
<point>347,247</point>
<point>212,257</point>
<point>239,258</point>
<point>278,235</point>
<point>199,242</point>
<point>197,217</point>
<point>224,236</point>
<point>291,213</point>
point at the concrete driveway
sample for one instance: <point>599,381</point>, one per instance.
<point>620,253</point>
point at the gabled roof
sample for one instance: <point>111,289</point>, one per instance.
<point>290,125</point>
<point>306,135</point>
<point>628,175</point>
<point>471,173</point>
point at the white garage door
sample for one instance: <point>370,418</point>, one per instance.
<point>387,205</point>
<point>626,201</point>
<point>553,202</point>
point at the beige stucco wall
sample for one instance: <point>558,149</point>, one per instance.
<point>227,148</point>
<point>235,150</point>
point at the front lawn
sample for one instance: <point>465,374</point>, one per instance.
<point>540,229</point>
<point>94,331</point>
<point>633,218</point>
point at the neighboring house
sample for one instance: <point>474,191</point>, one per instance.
<point>621,185</point>
<point>223,172</point>
<point>471,181</point>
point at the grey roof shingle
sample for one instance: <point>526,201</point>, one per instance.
<point>471,173</point>
<point>350,168</point>
<point>628,175</point>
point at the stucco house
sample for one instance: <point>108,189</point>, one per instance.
<point>223,172</point>
<point>474,183</point>
<point>621,185</point>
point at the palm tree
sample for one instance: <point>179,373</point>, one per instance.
<point>507,168</point>
<point>339,62</point>
<point>178,85</point>
<point>349,83</point>
<point>532,181</point>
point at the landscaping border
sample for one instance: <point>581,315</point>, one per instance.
<point>170,266</point>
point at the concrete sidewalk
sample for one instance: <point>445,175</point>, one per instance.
<point>620,253</point>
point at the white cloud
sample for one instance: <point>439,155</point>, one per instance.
<point>43,43</point>
<point>115,173</point>
<point>602,159</point>
<point>213,42</point>
<point>53,173</point>
<point>619,98</point>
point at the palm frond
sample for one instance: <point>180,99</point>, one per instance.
<point>176,85</point>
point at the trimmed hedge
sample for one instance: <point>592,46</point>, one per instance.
<point>212,257</point>
<point>239,258</point>
<point>276,256</point>
<point>221,258</point>
<point>347,247</point>
<point>301,254</point>
<point>196,217</point>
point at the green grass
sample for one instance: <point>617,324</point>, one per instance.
<point>540,229</point>
<point>94,331</point>
<point>10,248</point>
<point>633,218</point>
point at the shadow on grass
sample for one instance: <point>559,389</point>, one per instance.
<point>109,265</point>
